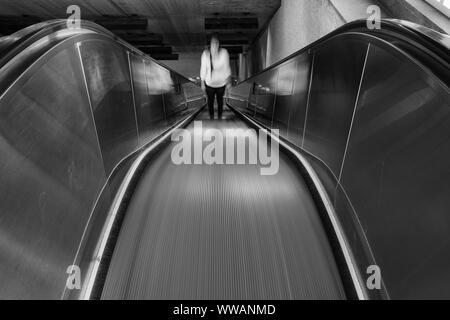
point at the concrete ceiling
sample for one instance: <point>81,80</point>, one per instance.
<point>175,25</point>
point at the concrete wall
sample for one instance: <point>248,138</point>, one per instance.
<point>297,24</point>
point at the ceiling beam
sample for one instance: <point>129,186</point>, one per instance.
<point>231,23</point>
<point>231,38</point>
<point>165,56</point>
<point>234,49</point>
<point>237,42</point>
<point>119,23</point>
<point>150,40</point>
<point>9,25</point>
<point>155,50</point>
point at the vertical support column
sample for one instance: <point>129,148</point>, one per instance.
<point>311,75</point>
<point>185,96</point>
<point>256,97</point>
<point>274,105</point>
<point>249,95</point>
<point>134,99</point>
<point>290,107</point>
<point>354,113</point>
<point>145,75</point>
<point>242,67</point>
<point>78,45</point>
<point>164,106</point>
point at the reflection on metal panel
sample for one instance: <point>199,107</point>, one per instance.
<point>158,80</point>
<point>149,115</point>
<point>396,174</point>
<point>194,95</point>
<point>51,170</point>
<point>239,97</point>
<point>284,92</point>
<point>298,102</point>
<point>264,93</point>
<point>174,99</point>
<point>107,75</point>
<point>53,154</point>
<point>337,75</point>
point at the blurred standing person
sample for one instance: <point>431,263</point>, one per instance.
<point>215,74</point>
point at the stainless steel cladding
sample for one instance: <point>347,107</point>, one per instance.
<point>371,110</point>
<point>71,110</point>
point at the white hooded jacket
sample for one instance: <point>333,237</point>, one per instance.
<point>221,69</point>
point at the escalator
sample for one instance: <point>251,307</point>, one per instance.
<point>222,232</point>
<point>86,123</point>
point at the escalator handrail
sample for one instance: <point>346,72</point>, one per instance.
<point>38,31</point>
<point>18,41</point>
<point>437,45</point>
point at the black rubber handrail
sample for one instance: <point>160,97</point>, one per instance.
<point>429,47</point>
<point>21,39</point>
<point>31,34</point>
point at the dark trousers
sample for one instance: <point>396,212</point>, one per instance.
<point>212,93</point>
